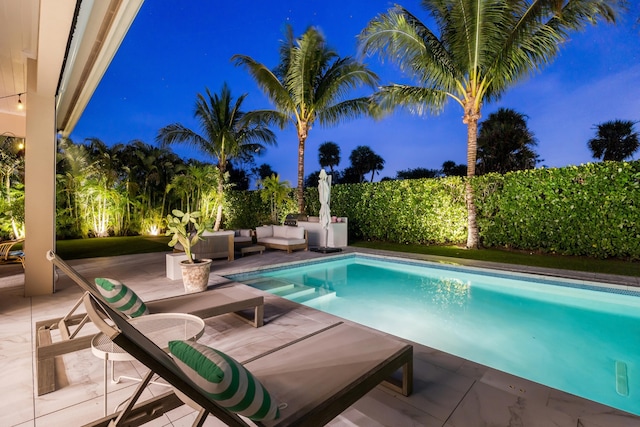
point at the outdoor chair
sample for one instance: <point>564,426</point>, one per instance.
<point>313,378</point>
<point>243,303</point>
<point>7,255</point>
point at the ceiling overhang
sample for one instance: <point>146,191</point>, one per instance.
<point>69,42</point>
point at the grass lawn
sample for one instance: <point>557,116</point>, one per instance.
<point>110,246</point>
<point>607,266</point>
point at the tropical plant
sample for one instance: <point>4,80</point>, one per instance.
<point>186,229</point>
<point>364,160</point>
<point>310,84</point>
<point>505,143</point>
<point>226,133</point>
<point>329,155</point>
<point>12,175</point>
<point>478,50</point>
<point>148,170</point>
<point>73,169</point>
<point>615,140</point>
<point>275,192</point>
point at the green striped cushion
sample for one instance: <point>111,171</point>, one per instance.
<point>120,297</point>
<point>224,380</point>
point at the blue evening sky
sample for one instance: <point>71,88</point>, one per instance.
<point>176,49</point>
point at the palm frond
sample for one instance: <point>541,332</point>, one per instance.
<point>177,133</point>
<point>344,75</point>
<point>267,81</point>
<point>400,37</point>
<point>310,58</point>
<point>267,118</point>
<point>343,111</point>
<point>417,100</point>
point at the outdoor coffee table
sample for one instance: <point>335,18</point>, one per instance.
<point>252,249</point>
<point>160,328</point>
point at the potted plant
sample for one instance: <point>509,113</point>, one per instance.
<point>186,228</point>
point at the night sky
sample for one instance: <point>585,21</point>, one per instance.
<point>176,49</point>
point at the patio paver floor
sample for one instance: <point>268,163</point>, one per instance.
<point>448,391</point>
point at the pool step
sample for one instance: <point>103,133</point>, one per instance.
<point>316,294</point>
<point>271,285</point>
<point>298,291</point>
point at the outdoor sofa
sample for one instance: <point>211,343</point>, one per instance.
<point>243,238</point>
<point>284,237</point>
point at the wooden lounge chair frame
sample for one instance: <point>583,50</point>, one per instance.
<point>316,383</point>
<point>6,254</point>
<point>204,304</point>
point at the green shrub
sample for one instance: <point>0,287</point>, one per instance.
<point>589,210</point>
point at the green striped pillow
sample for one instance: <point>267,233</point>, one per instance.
<point>224,380</point>
<point>120,297</point>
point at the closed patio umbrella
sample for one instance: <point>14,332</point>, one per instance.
<point>324,194</point>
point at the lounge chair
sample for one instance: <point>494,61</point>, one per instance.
<point>317,376</point>
<point>7,255</point>
<point>203,304</point>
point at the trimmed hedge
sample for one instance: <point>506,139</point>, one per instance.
<point>589,210</point>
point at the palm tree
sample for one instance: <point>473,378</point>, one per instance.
<point>329,155</point>
<point>310,84</point>
<point>615,140</point>
<point>364,160</point>
<point>505,143</point>
<point>479,50</point>
<point>275,192</point>
<point>226,134</point>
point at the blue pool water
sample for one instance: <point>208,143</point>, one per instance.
<point>569,335</point>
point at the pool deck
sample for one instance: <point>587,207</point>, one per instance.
<point>448,391</point>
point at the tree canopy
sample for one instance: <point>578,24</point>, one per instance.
<point>615,140</point>
<point>505,143</point>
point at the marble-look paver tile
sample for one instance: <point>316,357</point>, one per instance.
<point>484,405</point>
<point>608,420</point>
<point>16,389</point>
<point>591,413</point>
<point>390,409</point>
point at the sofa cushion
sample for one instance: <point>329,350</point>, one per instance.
<point>245,233</point>
<point>264,231</point>
<point>216,233</point>
<point>295,233</point>
<point>280,231</point>
<point>281,241</point>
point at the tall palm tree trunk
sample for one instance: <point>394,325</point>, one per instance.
<point>471,117</point>
<point>216,226</point>
<point>303,132</point>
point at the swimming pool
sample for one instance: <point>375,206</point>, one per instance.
<point>580,337</point>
